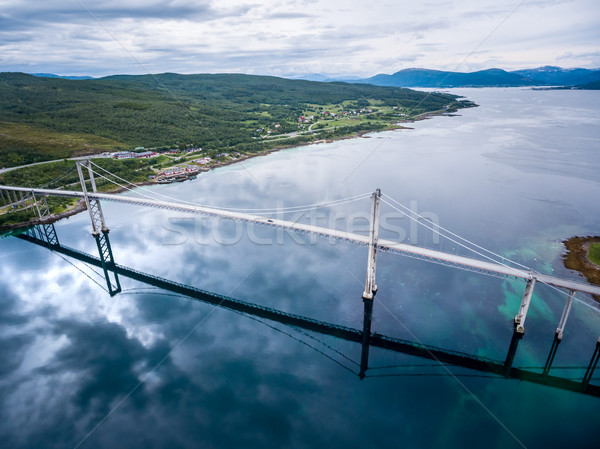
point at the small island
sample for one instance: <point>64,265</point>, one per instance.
<point>583,255</point>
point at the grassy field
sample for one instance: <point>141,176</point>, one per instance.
<point>22,143</point>
<point>594,253</point>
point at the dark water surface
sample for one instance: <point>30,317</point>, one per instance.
<point>148,368</point>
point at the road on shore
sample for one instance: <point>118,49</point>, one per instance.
<point>4,170</point>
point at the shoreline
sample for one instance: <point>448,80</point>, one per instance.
<point>80,207</point>
<point>576,258</point>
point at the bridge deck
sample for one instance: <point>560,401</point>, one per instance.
<point>386,245</point>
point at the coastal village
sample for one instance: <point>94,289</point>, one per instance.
<point>191,161</point>
<point>186,163</point>
<point>187,166</point>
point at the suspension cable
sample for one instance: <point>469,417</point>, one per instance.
<point>159,292</point>
<point>64,175</point>
<point>288,209</point>
<point>332,203</point>
<point>456,235</point>
<point>82,272</point>
<point>531,270</point>
<point>517,271</point>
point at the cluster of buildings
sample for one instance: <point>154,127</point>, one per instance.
<point>203,161</point>
<point>177,171</point>
<point>303,119</point>
<point>137,154</point>
<point>177,150</point>
<point>132,155</point>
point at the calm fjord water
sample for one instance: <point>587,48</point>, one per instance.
<point>517,175</point>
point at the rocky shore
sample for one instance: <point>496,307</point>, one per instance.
<point>577,258</point>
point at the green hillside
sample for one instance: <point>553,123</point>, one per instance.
<point>50,118</point>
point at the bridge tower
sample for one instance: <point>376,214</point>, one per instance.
<point>93,204</point>
<point>371,285</point>
<point>99,229</point>
<point>46,230</point>
<point>520,318</point>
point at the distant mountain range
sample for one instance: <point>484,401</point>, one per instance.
<point>52,75</point>
<point>541,76</point>
<point>558,76</point>
<point>438,78</point>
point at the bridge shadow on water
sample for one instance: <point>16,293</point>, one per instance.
<point>45,236</point>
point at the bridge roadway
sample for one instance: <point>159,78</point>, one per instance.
<point>462,262</point>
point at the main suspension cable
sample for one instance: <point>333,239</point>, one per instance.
<point>289,209</point>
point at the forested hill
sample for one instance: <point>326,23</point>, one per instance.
<point>250,91</point>
<point>49,118</point>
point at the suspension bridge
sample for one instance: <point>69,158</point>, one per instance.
<point>45,236</point>
<point>488,263</point>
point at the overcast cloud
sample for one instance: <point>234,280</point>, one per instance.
<point>283,38</point>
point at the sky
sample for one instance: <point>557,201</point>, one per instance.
<point>295,37</point>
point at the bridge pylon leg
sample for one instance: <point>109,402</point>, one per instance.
<point>41,205</point>
<point>366,336</point>
<point>108,262</point>
<point>592,366</point>
<point>565,314</point>
<point>512,350</point>
<point>93,204</point>
<point>99,229</point>
<point>520,318</point>
<point>371,285</point>
<point>551,355</point>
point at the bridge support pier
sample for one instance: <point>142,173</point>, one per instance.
<point>592,366</point>
<point>565,314</point>
<point>371,285</point>
<point>520,318</point>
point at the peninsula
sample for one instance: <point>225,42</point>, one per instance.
<point>583,255</point>
<point>167,127</point>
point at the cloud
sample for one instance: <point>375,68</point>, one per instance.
<point>287,37</point>
<point>63,12</point>
<point>291,15</point>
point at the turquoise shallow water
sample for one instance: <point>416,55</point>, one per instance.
<point>517,175</point>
